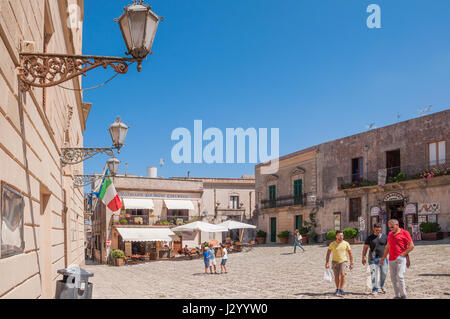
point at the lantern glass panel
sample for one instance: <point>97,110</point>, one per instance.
<point>138,19</point>
<point>125,28</point>
<point>150,32</point>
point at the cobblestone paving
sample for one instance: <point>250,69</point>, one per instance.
<point>269,272</point>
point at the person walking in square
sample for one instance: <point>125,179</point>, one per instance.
<point>399,245</point>
<point>224,260</point>
<point>377,243</point>
<point>206,259</point>
<point>298,241</point>
<point>339,248</point>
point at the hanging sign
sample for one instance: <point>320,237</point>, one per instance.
<point>429,208</point>
<point>375,211</point>
<point>392,197</point>
<point>410,209</point>
<point>362,224</point>
<point>382,176</point>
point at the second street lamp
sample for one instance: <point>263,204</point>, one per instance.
<point>75,155</point>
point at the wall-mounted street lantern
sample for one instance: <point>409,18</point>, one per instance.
<point>86,180</point>
<point>138,25</point>
<point>113,166</point>
<point>118,131</point>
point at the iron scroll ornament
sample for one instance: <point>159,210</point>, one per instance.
<point>46,70</point>
<point>70,156</point>
<point>85,180</point>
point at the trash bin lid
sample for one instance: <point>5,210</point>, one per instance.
<point>71,271</point>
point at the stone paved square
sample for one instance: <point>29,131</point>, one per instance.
<point>269,271</point>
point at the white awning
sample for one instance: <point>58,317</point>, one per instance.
<point>145,234</point>
<point>138,203</point>
<point>179,204</point>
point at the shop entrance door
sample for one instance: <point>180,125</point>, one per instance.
<point>395,211</point>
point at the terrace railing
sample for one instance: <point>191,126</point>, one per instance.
<point>397,174</point>
<point>284,201</point>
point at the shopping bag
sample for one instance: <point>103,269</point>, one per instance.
<point>328,275</point>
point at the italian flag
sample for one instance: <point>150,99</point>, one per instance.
<point>109,196</point>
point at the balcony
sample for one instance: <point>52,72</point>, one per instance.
<point>131,220</point>
<point>284,201</point>
<point>396,175</point>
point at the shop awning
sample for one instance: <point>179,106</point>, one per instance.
<point>179,204</point>
<point>145,234</point>
<point>138,203</point>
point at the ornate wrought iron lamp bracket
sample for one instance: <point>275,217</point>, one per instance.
<point>71,156</point>
<point>85,180</point>
<point>46,70</point>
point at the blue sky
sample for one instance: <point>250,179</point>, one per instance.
<point>313,69</point>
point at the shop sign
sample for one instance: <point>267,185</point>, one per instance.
<point>429,208</point>
<point>410,209</point>
<point>108,243</point>
<point>375,211</point>
<point>382,176</point>
<point>392,197</point>
<point>362,224</point>
<point>416,232</point>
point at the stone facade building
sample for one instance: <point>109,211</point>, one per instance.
<point>286,199</point>
<point>365,179</point>
<point>42,222</point>
<point>149,200</point>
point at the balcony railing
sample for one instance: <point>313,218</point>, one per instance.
<point>131,220</point>
<point>396,174</point>
<point>284,201</point>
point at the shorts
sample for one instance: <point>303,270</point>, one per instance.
<point>339,267</point>
<point>206,263</point>
<point>223,262</point>
<point>213,262</point>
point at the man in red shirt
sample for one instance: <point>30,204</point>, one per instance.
<point>399,245</point>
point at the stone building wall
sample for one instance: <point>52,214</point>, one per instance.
<point>33,128</point>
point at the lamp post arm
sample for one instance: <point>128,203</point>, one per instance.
<point>47,69</point>
<point>71,156</point>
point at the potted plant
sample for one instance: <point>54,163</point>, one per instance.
<point>429,230</point>
<point>304,232</point>
<point>123,221</point>
<point>261,236</point>
<point>350,234</point>
<point>284,236</point>
<point>118,256</point>
<point>313,236</point>
<point>331,236</point>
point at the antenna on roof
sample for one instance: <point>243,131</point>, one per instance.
<point>398,116</point>
<point>370,126</point>
<point>425,110</point>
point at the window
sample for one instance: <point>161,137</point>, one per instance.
<point>393,163</point>
<point>355,209</point>
<point>11,228</point>
<point>177,215</point>
<point>357,169</point>
<point>234,202</point>
<point>436,153</point>
<point>298,190</point>
<point>272,195</point>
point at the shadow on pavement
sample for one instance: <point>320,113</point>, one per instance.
<point>312,294</point>
<point>204,274</point>
<point>435,275</point>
